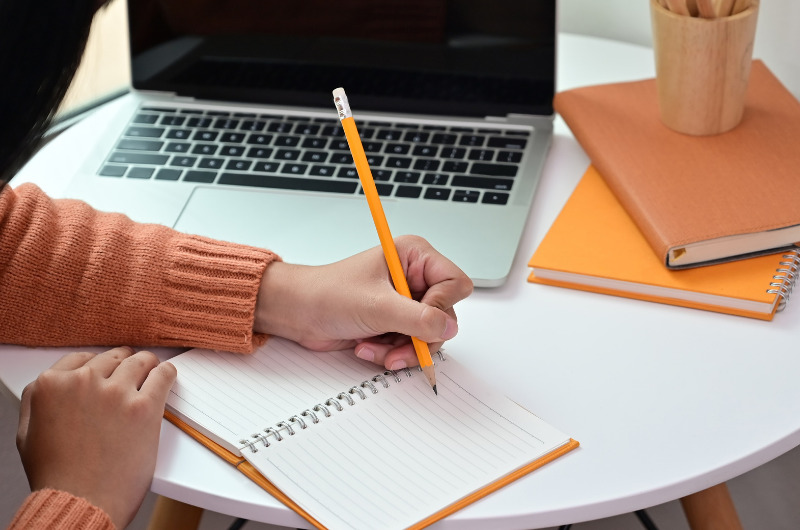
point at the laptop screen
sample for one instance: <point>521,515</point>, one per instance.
<point>442,57</point>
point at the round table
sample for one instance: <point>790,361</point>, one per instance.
<point>666,401</point>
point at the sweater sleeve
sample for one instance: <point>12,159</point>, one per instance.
<point>73,276</point>
<point>52,509</point>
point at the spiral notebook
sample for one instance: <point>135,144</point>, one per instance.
<point>318,430</point>
<point>594,245</point>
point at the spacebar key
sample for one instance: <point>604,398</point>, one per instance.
<point>287,183</point>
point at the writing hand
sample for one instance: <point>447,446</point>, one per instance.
<point>90,424</point>
<point>353,303</point>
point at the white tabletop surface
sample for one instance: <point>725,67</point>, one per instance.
<point>665,401</point>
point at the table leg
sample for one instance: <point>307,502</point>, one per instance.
<point>711,509</point>
<point>171,514</point>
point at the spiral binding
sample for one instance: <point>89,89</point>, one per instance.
<point>786,277</point>
<point>313,415</point>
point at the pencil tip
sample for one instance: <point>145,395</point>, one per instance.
<point>435,391</point>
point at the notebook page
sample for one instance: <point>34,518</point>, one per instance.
<point>229,397</point>
<point>402,454</point>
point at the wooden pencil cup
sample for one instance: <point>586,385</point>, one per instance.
<point>702,68</point>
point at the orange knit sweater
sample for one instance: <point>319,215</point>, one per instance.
<point>73,276</point>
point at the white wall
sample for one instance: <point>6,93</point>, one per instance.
<point>777,33</point>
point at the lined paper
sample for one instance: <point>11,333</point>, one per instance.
<point>403,452</point>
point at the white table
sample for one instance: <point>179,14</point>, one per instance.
<point>666,401</point>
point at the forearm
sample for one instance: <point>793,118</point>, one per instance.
<point>72,276</point>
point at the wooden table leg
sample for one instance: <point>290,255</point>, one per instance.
<point>711,509</point>
<point>170,514</point>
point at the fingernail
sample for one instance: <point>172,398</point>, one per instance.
<point>366,354</point>
<point>450,329</point>
<point>398,365</point>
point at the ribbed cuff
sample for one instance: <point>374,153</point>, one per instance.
<point>210,294</point>
<point>52,509</point>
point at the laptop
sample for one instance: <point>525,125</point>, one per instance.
<point>230,130</point>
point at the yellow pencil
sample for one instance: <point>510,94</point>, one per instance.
<point>385,236</point>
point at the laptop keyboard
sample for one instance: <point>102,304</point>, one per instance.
<point>409,161</point>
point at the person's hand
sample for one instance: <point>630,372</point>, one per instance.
<point>90,424</point>
<point>353,303</point>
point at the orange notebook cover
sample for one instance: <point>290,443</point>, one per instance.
<point>277,417</point>
<point>697,199</point>
<point>594,245</point>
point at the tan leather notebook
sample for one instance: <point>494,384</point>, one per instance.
<point>594,245</point>
<point>319,429</point>
<point>697,199</point>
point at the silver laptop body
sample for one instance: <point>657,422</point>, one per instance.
<point>231,133</point>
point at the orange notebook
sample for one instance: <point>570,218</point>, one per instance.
<point>697,199</point>
<point>594,245</point>
<point>318,430</point>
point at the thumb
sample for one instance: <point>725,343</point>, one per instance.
<point>417,319</point>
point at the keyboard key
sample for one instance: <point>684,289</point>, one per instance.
<point>348,173</point>
<point>253,125</point>
<point>384,190</point>
<point>113,171</point>
<point>439,194</point>
<point>168,174</point>
<point>512,157</point>
<point>294,169</point>
<point>177,147</point>
<point>322,171</point>
<point>201,123</point>
<point>145,132</point>
<point>482,182</point>
<point>518,133</point>
<point>506,142</point>
<point>232,137</point>
<point>140,145</point>
<point>266,167</point>
<point>411,192</point>
<point>472,140</point>
<point>372,147</point>
<point>205,136</point>
<point>453,153</point>
<point>259,139</point>
<point>287,141</point>
<point>179,134</point>
<point>342,158</point>
<point>315,143</point>
<point>416,137</point>
<point>287,154</point>
<point>172,121</point>
<point>407,177</point>
<point>463,195</point>
<point>388,134</point>
<point>339,145</point>
<point>259,152</point>
<point>494,170</point>
<point>238,164</point>
<point>218,113</point>
<point>482,155</point>
<point>462,129</point>
<point>138,158</point>
<point>382,174</point>
<point>435,179</point>
<point>306,129</point>
<point>226,123</point>
<point>183,161</point>
<point>375,160</point>
<point>425,150</point>
<point>455,167</point>
<point>200,176</point>
<point>141,172</point>
<point>204,149</point>
<point>333,130</point>
<point>315,156</point>
<point>398,162</point>
<point>232,150</point>
<point>288,183</point>
<point>279,126</point>
<point>149,119</point>
<point>211,163</point>
<point>397,149</point>
<point>443,138</point>
<point>491,197</point>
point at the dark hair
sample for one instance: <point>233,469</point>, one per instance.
<point>41,43</point>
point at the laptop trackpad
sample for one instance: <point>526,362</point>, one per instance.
<point>305,229</point>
